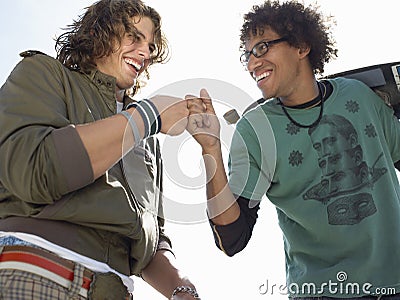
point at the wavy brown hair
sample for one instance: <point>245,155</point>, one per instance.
<point>104,23</point>
<point>299,24</point>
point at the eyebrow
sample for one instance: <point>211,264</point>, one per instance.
<point>262,41</point>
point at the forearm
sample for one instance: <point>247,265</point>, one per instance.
<point>221,203</point>
<point>163,274</point>
<point>204,126</point>
<point>107,140</point>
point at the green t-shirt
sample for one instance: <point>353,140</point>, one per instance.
<point>335,188</point>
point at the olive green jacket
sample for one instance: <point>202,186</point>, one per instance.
<point>46,180</point>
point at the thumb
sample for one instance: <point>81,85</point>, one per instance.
<point>207,101</point>
<point>204,94</point>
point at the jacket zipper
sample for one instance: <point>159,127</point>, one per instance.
<point>133,196</point>
<point>129,189</point>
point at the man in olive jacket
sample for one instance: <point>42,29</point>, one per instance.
<point>81,172</point>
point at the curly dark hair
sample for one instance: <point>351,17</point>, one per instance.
<point>105,22</point>
<point>299,24</point>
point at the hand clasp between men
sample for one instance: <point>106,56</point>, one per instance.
<point>195,114</point>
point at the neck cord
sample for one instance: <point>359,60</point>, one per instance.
<point>322,96</point>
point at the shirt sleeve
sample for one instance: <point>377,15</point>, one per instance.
<point>234,237</point>
<point>391,127</point>
<point>252,156</point>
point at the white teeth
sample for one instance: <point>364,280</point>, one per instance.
<point>262,76</point>
<point>133,63</point>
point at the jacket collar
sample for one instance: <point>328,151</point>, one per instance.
<point>106,85</point>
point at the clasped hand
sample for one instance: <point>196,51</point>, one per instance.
<point>203,123</point>
<point>195,114</point>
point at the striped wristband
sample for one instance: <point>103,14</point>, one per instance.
<point>150,115</point>
<point>133,125</point>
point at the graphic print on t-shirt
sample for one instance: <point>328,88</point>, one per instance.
<point>344,172</point>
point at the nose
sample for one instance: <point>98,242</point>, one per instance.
<point>144,51</point>
<point>253,63</point>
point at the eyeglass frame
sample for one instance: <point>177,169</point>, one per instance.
<point>246,54</point>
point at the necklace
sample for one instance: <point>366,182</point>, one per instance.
<point>314,103</point>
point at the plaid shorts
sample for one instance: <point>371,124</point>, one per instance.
<point>21,285</point>
<point>17,284</point>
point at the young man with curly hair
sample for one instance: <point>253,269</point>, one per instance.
<point>81,172</point>
<point>323,153</point>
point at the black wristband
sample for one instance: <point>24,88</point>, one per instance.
<point>157,113</point>
<point>150,116</point>
<point>143,115</point>
<point>153,114</point>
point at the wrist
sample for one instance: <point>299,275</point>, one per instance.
<point>214,149</point>
<point>149,115</point>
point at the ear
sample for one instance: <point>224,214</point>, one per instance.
<point>304,50</point>
<point>353,139</point>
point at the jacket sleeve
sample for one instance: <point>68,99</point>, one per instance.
<point>234,237</point>
<point>38,144</point>
<point>164,243</point>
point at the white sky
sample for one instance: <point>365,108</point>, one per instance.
<point>204,40</point>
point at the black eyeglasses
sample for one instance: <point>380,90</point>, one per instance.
<point>259,50</point>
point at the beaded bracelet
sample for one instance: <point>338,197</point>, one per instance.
<point>186,289</point>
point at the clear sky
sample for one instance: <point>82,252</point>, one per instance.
<point>203,36</point>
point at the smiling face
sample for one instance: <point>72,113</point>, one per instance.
<point>131,57</point>
<point>284,71</point>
